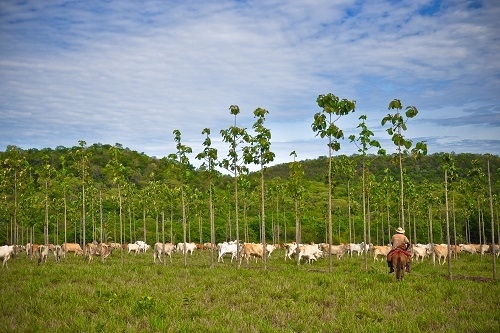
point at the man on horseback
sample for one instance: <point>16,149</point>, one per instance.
<point>401,242</point>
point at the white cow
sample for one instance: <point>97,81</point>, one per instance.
<point>133,247</point>
<point>143,247</point>
<point>270,248</point>
<point>358,248</point>
<point>58,253</point>
<point>190,247</point>
<point>419,252</point>
<point>6,252</point>
<point>227,248</point>
<point>42,253</point>
<point>160,249</point>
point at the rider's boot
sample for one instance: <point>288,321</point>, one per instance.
<point>391,269</point>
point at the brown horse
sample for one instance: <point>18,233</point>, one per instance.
<point>398,260</point>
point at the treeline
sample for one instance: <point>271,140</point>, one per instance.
<point>111,193</point>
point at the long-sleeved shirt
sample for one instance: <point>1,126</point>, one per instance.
<point>398,240</point>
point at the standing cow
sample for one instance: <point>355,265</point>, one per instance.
<point>6,252</point>
<point>161,248</point>
<point>42,253</point>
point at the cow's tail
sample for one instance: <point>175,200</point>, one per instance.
<point>399,268</point>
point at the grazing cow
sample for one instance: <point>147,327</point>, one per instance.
<point>380,251</point>
<point>58,252</point>
<point>115,245</point>
<point>101,249</point>
<point>42,253</point>
<point>71,247</point>
<point>440,251</point>
<point>190,247</point>
<point>469,248</point>
<point>6,252</point>
<point>251,250</point>
<point>227,248</point>
<point>133,247</point>
<point>209,246</point>
<point>160,249</point>
<point>310,252</point>
<point>338,250</point>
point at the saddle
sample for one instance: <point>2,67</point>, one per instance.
<point>392,252</point>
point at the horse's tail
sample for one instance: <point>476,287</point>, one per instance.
<point>399,267</point>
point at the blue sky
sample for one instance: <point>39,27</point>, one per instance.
<point>131,72</point>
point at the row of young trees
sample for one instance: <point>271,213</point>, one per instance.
<point>106,193</point>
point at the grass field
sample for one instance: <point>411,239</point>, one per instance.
<point>128,293</point>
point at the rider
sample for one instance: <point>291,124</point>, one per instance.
<point>399,241</point>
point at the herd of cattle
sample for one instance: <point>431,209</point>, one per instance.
<point>307,252</point>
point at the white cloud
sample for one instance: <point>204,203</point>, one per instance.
<point>132,72</point>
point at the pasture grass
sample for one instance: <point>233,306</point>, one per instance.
<point>134,295</point>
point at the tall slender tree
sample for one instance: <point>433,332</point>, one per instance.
<point>182,157</point>
<point>324,126</point>
<point>364,142</point>
<point>209,155</point>
<point>296,190</point>
<point>260,153</point>
<point>449,175</point>
<point>235,136</point>
<point>397,126</point>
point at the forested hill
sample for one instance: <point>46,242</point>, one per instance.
<point>428,167</point>
<point>139,168</point>
<point>41,187</point>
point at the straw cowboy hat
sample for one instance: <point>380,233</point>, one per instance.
<point>400,230</point>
